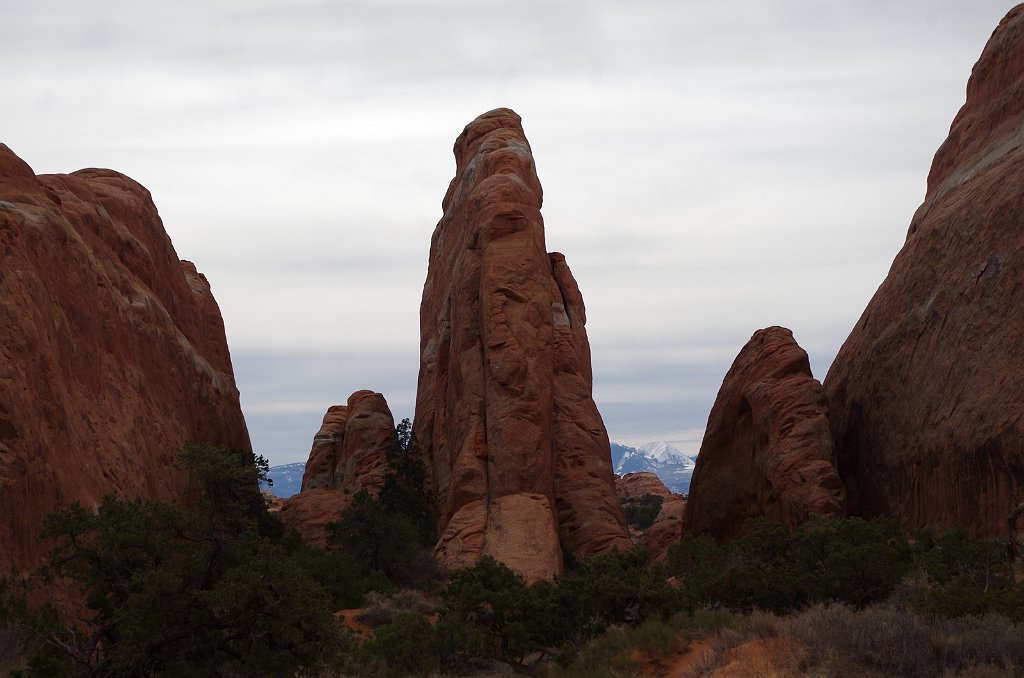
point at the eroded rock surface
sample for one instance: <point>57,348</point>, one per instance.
<point>767,450</point>
<point>518,453</point>
<point>927,393</point>
<point>112,351</point>
<point>349,454</point>
<point>636,485</point>
<point>349,451</point>
<point>667,528</point>
<point>309,512</point>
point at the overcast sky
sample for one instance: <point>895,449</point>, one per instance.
<point>708,168</point>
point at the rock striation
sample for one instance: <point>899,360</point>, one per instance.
<point>517,451</point>
<point>927,393</point>
<point>767,450</point>
<point>349,454</point>
<point>112,351</point>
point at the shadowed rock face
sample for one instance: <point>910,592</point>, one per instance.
<point>666,530</point>
<point>518,452</point>
<point>349,454</point>
<point>112,351</point>
<point>767,450</point>
<point>310,512</point>
<point>927,392</point>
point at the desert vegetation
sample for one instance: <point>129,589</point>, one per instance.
<point>217,589</point>
<point>641,511</point>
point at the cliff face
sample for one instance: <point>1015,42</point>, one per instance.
<point>767,450</point>
<point>927,392</point>
<point>112,351</point>
<point>518,452</point>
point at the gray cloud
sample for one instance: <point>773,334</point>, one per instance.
<point>709,168</point>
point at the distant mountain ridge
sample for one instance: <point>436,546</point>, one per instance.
<point>672,465</point>
<point>287,479</point>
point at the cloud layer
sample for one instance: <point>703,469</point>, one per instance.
<point>709,168</point>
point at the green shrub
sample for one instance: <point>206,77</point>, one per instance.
<point>392,534</point>
<point>184,591</point>
<point>492,613</point>
<point>769,568</point>
<point>409,644</point>
<point>641,511</point>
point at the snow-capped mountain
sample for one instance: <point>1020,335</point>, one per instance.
<point>672,465</point>
<point>287,479</point>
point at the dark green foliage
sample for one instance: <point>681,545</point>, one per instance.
<point>769,568</point>
<point>968,576</point>
<point>953,555</point>
<point>618,588</point>
<point>849,561</point>
<point>491,612</point>
<point>195,591</point>
<point>382,540</point>
<point>697,562</point>
<point>336,572</point>
<point>409,643</point>
<point>392,534</point>
<point>641,511</point>
<point>405,485</point>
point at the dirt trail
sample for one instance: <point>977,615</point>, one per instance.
<point>762,657</point>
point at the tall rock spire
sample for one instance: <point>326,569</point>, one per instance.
<point>518,453</point>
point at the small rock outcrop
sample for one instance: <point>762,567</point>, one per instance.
<point>349,454</point>
<point>517,451</point>
<point>349,451</point>
<point>767,450</point>
<point>112,351</point>
<point>667,527</point>
<point>927,392</point>
<point>309,512</point>
<point>636,485</point>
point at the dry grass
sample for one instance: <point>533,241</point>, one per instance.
<point>380,609</point>
<point>840,642</point>
<point>712,653</point>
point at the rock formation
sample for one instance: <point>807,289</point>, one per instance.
<point>309,512</point>
<point>927,392</point>
<point>349,454</point>
<point>349,451</point>
<point>636,485</point>
<point>112,351</point>
<point>667,527</point>
<point>767,450</point>
<point>518,453</point>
